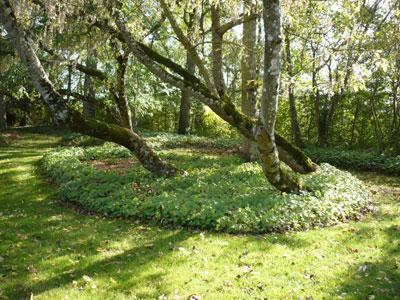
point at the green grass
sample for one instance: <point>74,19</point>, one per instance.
<point>48,250</point>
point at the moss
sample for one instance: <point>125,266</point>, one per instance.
<point>296,153</point>
<point>168,63</point>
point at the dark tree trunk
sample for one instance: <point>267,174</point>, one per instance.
<point>249,77</point>
<point>216,45</point>
<point>3,117</point>
<point>377,126</point>
<point>119,94</point>
<point>353,125</point>
<point>296,133</point>
<point>184,111</point>
<point>89,108</point>
<point>320,115</point>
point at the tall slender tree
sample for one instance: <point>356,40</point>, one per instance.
<point>249,74</point>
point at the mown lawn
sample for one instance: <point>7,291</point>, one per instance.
<point>50,251</point>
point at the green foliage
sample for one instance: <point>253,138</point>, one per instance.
<point>78,256</point>
<point>2,140</point>
<point>160,140</point>
<point>356,160</point>
<point>77,139</point>
<point>213,126</point>
<point>220,193</point>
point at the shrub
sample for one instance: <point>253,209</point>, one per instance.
<point>220,193</point>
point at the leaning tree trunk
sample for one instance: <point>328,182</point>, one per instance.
<point>58,107</point>
<point>222,105</point>
<point>3,118</point>
<point>249,77</point>
<point>184,110</point>
<point>265,132</point>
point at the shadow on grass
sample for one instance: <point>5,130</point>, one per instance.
<point>377,279</point>
<point>40,238</point>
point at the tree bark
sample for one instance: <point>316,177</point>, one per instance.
<point>249,77</point>
<point>354,124</point>
<point>265,132</point>
<point>184,110</point>
<point>296,133</point>
<point>216,48</point>
<point>3,117</point>
<point>377,126</point>
<point>119,95</point>
<point>89,108</point>
<point>320,115</point>
<point>221,105</point>
<point>59,110</point>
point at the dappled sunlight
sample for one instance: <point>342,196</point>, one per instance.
<point>51,249</point>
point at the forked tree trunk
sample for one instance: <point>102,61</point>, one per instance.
<point>221,105</point>
<point>249,77</point>
<point>265,132</point>
<point>119,93</point>
<point>59,110</point>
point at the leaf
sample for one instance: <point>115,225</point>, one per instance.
<point>87,278</point>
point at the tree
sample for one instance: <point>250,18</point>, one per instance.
<point>184,109</point>
<point>170,72</point>
<point>3,119</point>
<point>295,127</point>
<point>58,108</point>
<point>249,75</point>
<point>216,100</point>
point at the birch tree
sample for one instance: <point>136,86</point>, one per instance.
<point>58,107</point>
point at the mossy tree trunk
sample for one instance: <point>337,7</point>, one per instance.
<point>119,91</point>
<point>216,47</point>
<point>249,76</point>
<point>265,132</point>
<point>221,104</point>
<point>89,108</point>
<point>61,114</point>
<point>184,109</point>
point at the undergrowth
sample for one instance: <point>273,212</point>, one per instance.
<point>221,193</point>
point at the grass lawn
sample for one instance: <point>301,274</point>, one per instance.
<point>50,251</point>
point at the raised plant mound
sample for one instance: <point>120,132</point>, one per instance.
<point>220,193</point>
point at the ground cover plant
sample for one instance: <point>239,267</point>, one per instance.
<point>199,149</point>
<point>356,160</point>
<point>341,158</point>
<point>51,251</point>
<point>221,192</point>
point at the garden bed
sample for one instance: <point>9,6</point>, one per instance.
<point>221,193</point>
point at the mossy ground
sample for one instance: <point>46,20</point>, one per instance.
<point>52,252</point>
